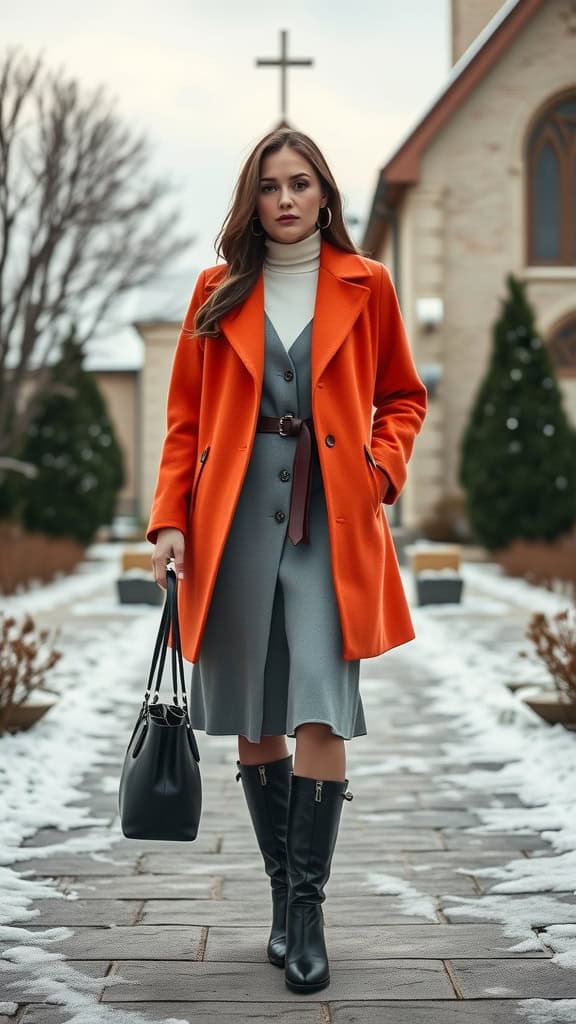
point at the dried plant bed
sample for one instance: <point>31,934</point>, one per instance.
<point>30,557</point>
<point>19,717</point>
<point>553,639</point>
<point>549,565</point>
<point>27,654</point>
<point>552,707</point>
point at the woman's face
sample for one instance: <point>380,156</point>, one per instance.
<point>289,187</point>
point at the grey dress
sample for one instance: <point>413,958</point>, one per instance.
<point>271,652</point>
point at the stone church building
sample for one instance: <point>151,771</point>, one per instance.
<point>483,184</point>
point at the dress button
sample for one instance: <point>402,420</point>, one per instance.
<point>280,517</point>
<point>330,440</point>
<point>288,374</point>
<point>284,476</point>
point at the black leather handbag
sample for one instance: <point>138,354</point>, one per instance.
<point>160,791</point>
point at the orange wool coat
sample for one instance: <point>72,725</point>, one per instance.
<point>360,359</point>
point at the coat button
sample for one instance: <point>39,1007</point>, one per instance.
<point>280,517</point>
<point>284,476</point>
<point>288,374</point>
<point>330,440</point>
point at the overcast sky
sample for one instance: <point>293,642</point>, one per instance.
<point>184,73</point>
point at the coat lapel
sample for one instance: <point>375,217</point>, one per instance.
<point>339,300</point>
<point>244,328</point>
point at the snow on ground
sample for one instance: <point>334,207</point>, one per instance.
<point>41,771</point>
<point>490,580</point>
<point>41,775</point>
<point>548,1011</point>
<point>470,667</point>
<point>410,899</point>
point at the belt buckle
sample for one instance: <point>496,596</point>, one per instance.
<point>281,428</point>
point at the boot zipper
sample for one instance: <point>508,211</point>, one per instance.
<point>262,774</point>
<point>318,796</point>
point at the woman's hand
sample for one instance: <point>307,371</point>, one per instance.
<point>169,544</point>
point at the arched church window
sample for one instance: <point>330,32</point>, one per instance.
<point>551,185</point>
<point>562,346</point>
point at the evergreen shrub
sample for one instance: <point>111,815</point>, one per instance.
<point>518,455</point>
<point>80,463</point>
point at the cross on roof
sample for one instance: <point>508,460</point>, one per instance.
<point>283,62</point>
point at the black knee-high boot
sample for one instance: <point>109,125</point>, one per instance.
<point>313,817</point>
<point>266,787</point>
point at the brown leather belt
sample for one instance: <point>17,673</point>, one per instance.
<point>292,426</point>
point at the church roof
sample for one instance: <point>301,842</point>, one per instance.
<point>403,168</point>
<point>119,346</point>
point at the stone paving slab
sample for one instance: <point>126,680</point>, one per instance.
<point>459,838</point>
<point>209,864</point>
<point>141,887</point>
<point>377,883</point>
<point>389,841</point>
<point>461,799</point>
<point>521,979</point>
<point>77,865</point>
<point>47,836</point>
<point>248,944</point>
<point>227,862</point>
<point>383,979</point>
<point>386,844</point>
<point>433,818</point>
<point>417,863</point>
<point>485,1011</point>
<point>346,884</point>
<point>130,943</point>
<point>68,912</point>
<point>196,1013</point>
<point>16,983</point>
<point>338,910</point>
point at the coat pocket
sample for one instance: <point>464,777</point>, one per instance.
<point>203,459</point>
<point>374,475</point>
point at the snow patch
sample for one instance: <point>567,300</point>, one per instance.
<point>411,900</point>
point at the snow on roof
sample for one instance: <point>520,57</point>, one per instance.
<point>120,350</point>
<point>118,345</point>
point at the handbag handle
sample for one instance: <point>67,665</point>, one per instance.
<point>169,621</point>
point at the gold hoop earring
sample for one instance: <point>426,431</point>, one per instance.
<point>257,234</point>
<point>324,226</point>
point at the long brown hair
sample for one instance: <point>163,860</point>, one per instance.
<point>243,251</point>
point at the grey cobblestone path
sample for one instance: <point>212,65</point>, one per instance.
<point>185,925</point>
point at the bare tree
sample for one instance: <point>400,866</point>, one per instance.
<point>81,223</point>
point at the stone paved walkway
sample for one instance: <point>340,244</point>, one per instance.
<point>185,925</point>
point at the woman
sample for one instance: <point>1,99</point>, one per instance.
<point>269,498</point>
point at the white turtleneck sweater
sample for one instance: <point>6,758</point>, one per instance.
<point>290,280</point>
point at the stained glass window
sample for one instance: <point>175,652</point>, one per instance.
<point>551,170</point>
